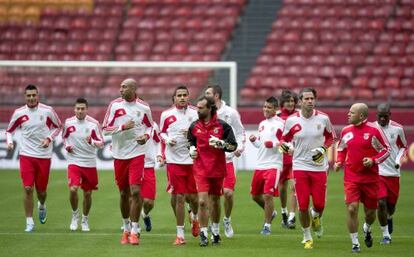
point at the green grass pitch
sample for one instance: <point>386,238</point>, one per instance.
<point>55,239</point>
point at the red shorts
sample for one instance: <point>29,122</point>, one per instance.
<point>389,188</point>
<point>230,179</point>
<point>367,193</point>
<point>181,179</point>
<point>148,188</point>
<point>264,182</point>
<point>129,172</point>
<point>212,185</point>
<point>286,173</point>
<point>35,171</point>
<point>85,177</point>
<point>308,183</point>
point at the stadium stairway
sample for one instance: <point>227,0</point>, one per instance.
<point>250,35</point>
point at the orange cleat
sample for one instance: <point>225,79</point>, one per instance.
<point>195,228</point>
<point>125,238</point>
<point>179,241</point>
<point>134,239</point>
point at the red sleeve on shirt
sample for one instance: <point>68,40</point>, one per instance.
<point>19,121</point>
<point>168,121</point>
<point>146,121</point>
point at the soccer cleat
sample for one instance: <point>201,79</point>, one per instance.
<point>291,223</point>
<point>29,228</point>
<point>356,248</point>
<point>216,240</point>
<point>228,229</point>
<point>317,226</point>
<point>203,240</point>
<point>390,225</point>
<point>134,239</point>
<point>195,228</point>
<point>147,223</point>
<point>368,239</point>
<point>85,225</point>
<point>125,238</point>
<point>179,241</point>
<point>284,222</point>
<point>42,213</point>
<point>386,240</point>
<point>308,244</point>
<point>74,222</point>
<point>265,231</point>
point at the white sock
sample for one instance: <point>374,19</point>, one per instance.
<point>143,213</point>
<point>354,238</point>
<point>84,217</point>
<point>180,231</point>
<point>204,230</point>
<point>215,228</point>
<point>314,213</point>
<point>127,225</point>
<point>385,231</point>
<point>41,206</point>
<point>135,228</point>
<point>194,216</point>
<point>29,220</point>
<point>291,215</point>
<point>75,212</point>
<point>366,227</point>
<point>227,219</point>
<point>307,234</point>
<point>268,225</point>
<point>284,210</point>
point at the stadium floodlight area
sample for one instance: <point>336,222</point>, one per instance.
<point>60,82</point>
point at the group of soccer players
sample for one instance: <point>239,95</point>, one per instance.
<point>198,144</point>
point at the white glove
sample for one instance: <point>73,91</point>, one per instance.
<point>193,152</point>
<point>216,142</point>
<point>286,147</point>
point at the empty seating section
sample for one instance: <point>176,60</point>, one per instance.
<point>353,49</point>
<point>103,30</point>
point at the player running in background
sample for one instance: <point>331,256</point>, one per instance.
<point>128,120</point>
<point>232,117</point>
<point>269,162</point>
<point>288,102</point>
<point>389,170</point>
<point>39,125</point>
<point>81,135</point>
<point>362,147</point>
<point>308,134</point>
<point>181,184</point>
<point>209,139</point>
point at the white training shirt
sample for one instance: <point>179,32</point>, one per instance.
<point>174,124</point>
<point>306,135</point>
<point>36,124</point>
<point>153,147</point>
<point>232,117</point>
<point>398,146</point>
<point>75,134</point>
<point>269,130</point>
<point>120,111</point>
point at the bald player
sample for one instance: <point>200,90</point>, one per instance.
<point>361,148</point>
<point>389,170</point>
<point>128,120</point>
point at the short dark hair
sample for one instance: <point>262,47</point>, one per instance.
<point>286,95</point>
<point>306,90</point>
<point>216,89</point>
<point>82,100</point>
<point>273,101</point>
<point>210,104</point>
<point>30,87</point>
<point>180,87</point>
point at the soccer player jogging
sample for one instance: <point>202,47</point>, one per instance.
<point>39,125</point>
<point>288,101</point>
<point>269,162</point>
<point>181,184</point>
<point>128,120</point>
<point>389,170</point>
<point>232,117</point>
<point>362,147</point>
<point>148,190</point>
<point>81,135</point>
<point>209,139</point>
<point>308,134</point>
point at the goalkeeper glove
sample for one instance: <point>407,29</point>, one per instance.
<point>193,152</point>
<point>216,142</point>
<point>286,148</point>
<point>318,154</point>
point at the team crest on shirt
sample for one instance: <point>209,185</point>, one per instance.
<point>392,136</point>
<point>87,130</point>
<point>226,118</point>
<point>216,131</point>
<point>138,113</point>
<point>318,127</point>
<point>366,136</point>
<point>41,117</point>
